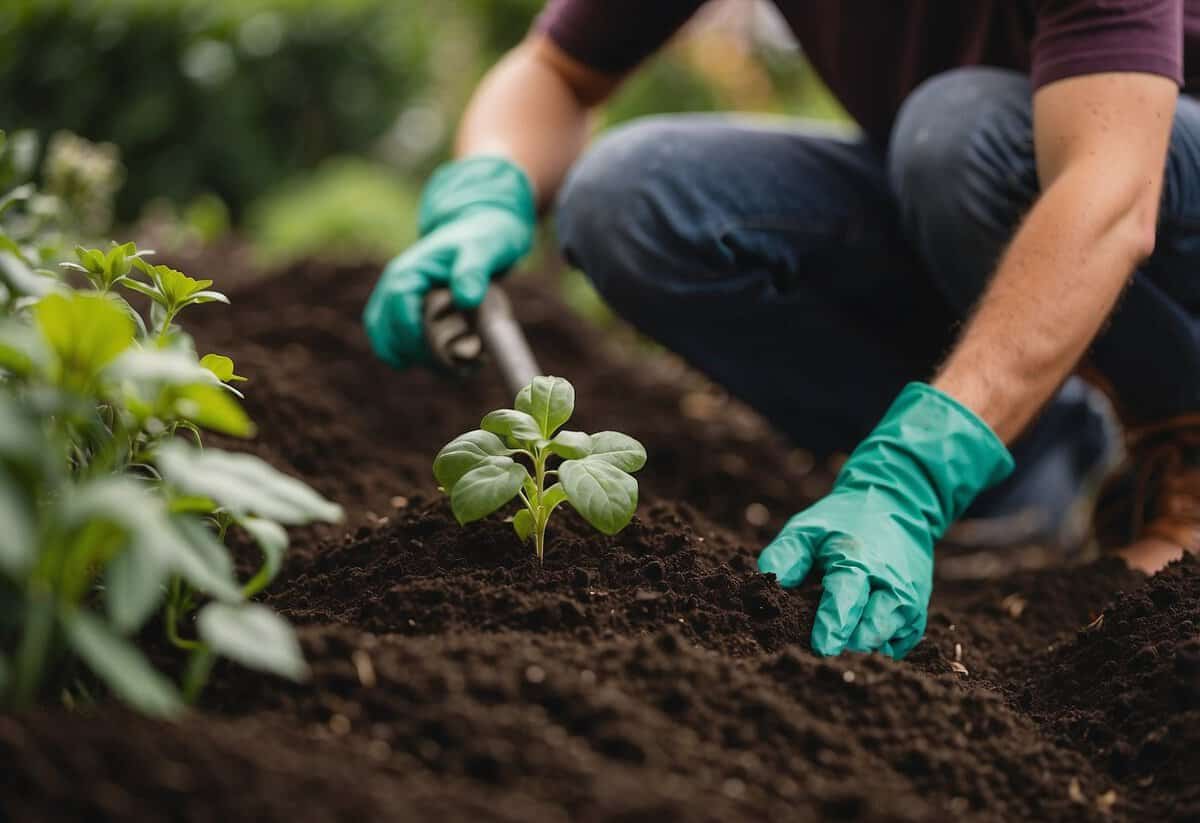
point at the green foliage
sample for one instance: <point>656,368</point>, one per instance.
<point>223,97</point>
<point>346,207</point>
<point>482,470</point>
<point>109,516</point>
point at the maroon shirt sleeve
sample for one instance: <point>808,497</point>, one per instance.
<point>613,36</point>
<point>1089,36</point>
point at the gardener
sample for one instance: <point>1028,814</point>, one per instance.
<point>1022,169</point>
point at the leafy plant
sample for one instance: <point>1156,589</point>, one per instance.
<point>110,515</point>
<point>510,456</point>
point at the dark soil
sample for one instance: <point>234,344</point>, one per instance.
<point>655,675</point>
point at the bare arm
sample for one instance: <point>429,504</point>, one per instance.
<point>1101,143</point>
<point>533,108</point>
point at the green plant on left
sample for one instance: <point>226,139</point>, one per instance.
<point>110,516</point>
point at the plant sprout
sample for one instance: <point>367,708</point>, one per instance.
<point>510,455</point>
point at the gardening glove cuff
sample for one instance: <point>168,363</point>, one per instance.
<point>932,450</point>
<point>462,187</point>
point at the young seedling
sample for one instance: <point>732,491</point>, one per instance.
<point>509,456</point>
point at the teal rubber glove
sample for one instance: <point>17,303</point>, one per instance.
<point>476,220</point>
<point>872,537</point>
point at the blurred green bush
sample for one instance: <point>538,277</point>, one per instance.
<point>228,96</point>
<point>240,102</point>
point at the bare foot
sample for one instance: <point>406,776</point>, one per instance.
<point>1150,554</point>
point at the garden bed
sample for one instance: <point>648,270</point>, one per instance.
<point>654,675</point>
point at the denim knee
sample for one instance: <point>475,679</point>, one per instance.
<point>961,166</point>
<point>625,214</point>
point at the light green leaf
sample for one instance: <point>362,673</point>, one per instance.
<point>602,493</point>
<point>167,366</point>
<point>549,401</point>
<point>86,332</point>
<point>254,636</point>
<point>511,423</point>
<point>134,584</point>
<point>22,350</point>
<point>211,558</point>
<point>243,484</point>
<point>20,278</point>
<point>570,444</point>
<point>18,535</point>
<point>272,540</point>
<point>211,407</point>
<point>486,488</point>
<point>618,450</point>
<point>17,195</point>
<point>222,367</point>
<point>207,297</point>
<point>523,524</point>
<point>121,666</point>
<point>464,453</point>
<point>195,555</point>
<point>553,496</point>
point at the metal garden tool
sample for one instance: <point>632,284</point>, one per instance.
<point>460,340</point>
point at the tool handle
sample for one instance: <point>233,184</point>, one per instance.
<point>459,339</point>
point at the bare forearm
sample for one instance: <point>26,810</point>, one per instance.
<point>1058,281</point>
<point>1101,143</point>
<point>528,110</point>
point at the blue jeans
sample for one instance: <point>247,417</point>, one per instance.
<point>813,274</point>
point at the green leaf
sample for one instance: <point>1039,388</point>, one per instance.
<point>222,367</point>
<point>553,496</point>
<point>549,401</point>
<point>211,407</point>
<point>243,484</point>
<point>464,453</point>
<point>486,488</point>
<point>272,540</point>
<point>85,332</point>
<point>182,545</point>
<point>618,450</point>
<point>570,444</point>
<point>254,636</point>
<point>120,665</point>
<point>523,524</point>
<point>165,366</point>
<point>134,584</point>
<point>20,278</point>
<point>210,558</point>
<point>602,493</point>
<point>18,542</point>
<point>22,351</point>
<point>17,195</point>
<point>511,423</point>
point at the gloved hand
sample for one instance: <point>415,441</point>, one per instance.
<point>476,219</point>
<point>872,537</point>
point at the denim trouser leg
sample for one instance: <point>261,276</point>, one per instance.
<point>961,163</point>
<point>772,259</point>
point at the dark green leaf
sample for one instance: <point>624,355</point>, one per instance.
<point>570,444</point>
<point>618,450</point>
<point>602,493</point>
<point>511,423</point>
<point>18,534</point>
<point>464,453</point>
<point>486,488</point>
<point>549,401</point>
